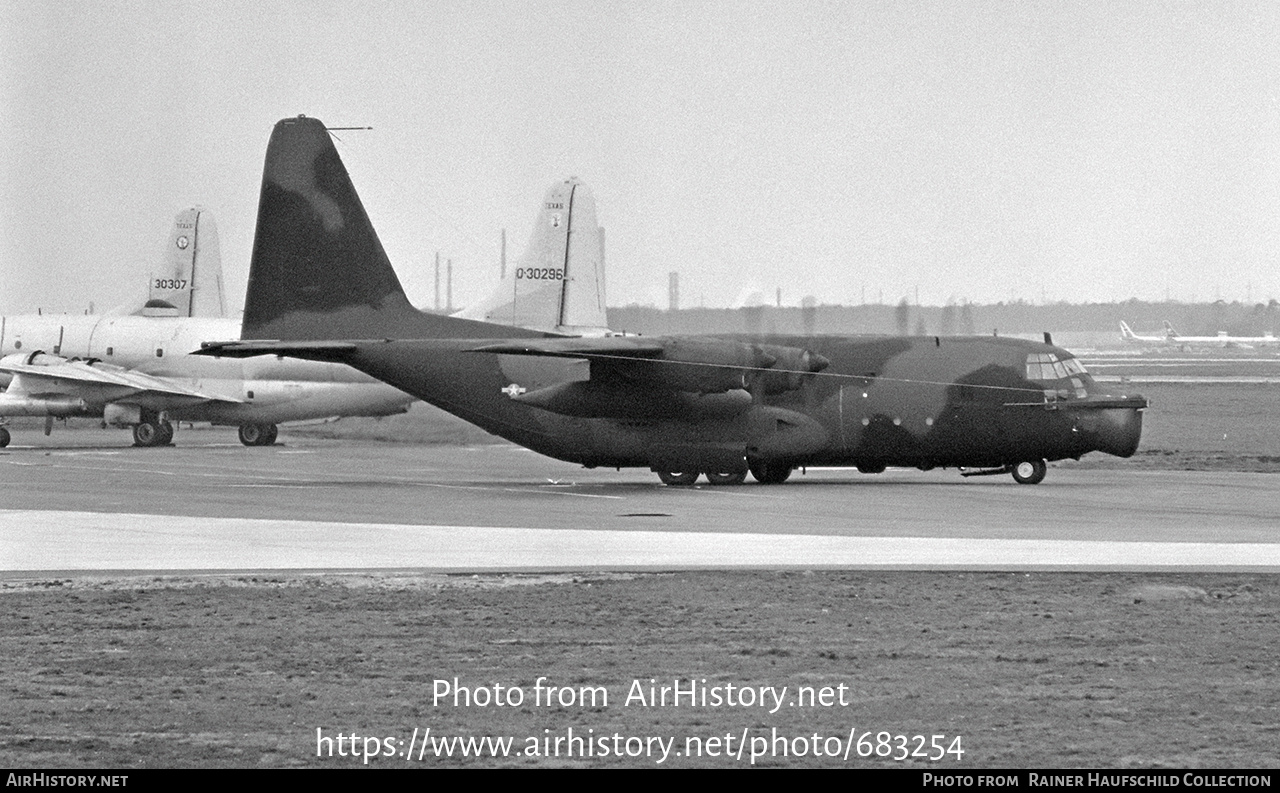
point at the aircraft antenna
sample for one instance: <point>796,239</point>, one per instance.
<point>331,130</point>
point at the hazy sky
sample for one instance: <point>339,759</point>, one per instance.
<point>1083,151</point>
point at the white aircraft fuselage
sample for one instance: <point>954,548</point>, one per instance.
<point>258,391</point>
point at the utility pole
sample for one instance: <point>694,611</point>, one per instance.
<point>437,303</point>
<point>448,305</point>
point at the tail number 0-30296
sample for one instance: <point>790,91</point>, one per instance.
<point>540,273</point>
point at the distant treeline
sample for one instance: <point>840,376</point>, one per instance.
<point>1189,319</point>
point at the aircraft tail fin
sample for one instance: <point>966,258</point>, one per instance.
<point>558,283</point>
<point>189,281</point>
<point>1169,332</point>
<point>318,270</point>
<point>1125,332</point>
<point>191,278</point>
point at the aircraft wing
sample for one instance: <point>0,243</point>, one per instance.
<point>93,378</point>
<point>579,347</point>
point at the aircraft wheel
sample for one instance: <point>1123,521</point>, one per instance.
<point>4,437</point>
<point>257,434</point>
<point>1029,472</point>
<point>770,473</point>
<point>148,433</point>
<point>870,468</point>
<point>719,478</point>
<point>166,430</point>
<point>682,479</point>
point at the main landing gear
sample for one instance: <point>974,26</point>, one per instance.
<point>678,479</point>
<point>770,473</point>
<point>258,434</point>
<point>156,432</point>
<point>4,437</point>
<point>766,473</point>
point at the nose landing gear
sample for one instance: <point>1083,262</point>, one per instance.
<point>1029,472</point>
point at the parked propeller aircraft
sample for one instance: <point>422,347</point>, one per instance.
<point>132,370</point>
<point>321,288</point>
<point>558,283</point>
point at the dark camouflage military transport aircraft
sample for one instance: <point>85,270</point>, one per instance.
<point>321,288</point>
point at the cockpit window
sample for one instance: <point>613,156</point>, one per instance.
<point>1048,366</point>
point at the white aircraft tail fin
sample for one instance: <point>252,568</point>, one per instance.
<point>558,283</point>
<point>1169,331</point>
<point>1125,332</point>
<point>189,281</point>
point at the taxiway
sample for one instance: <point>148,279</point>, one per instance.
<point>208,505</point>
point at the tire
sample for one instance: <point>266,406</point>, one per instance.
<point>253,434</point>
<point>678,479</point>
<point>770,473</point>
<point>1029,472</point>
<point>870,468</point>
<point>720,479</point>
<point>166,430</point>
<point>4,437</point>
<point>148,433</point>
<point>270,438</point>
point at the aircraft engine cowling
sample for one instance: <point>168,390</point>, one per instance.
<point>712,366</point>
<point>706,367</point>
<point>23,405</point>
<point>792,365</point>
<point>627,401</point>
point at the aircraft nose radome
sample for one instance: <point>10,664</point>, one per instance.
<point>1115,431</point>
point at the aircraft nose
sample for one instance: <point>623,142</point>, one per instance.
<point>1114,430</point>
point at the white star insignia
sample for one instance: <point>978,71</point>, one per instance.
<point>514,390</point>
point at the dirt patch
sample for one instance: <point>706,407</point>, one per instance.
<point>1062,670</point>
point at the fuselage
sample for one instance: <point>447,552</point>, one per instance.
<point>259,390</point>
<point>883,401</point>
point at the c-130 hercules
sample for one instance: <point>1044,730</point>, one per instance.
<point>321,288</point>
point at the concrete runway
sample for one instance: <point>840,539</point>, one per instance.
<point>86,502</point>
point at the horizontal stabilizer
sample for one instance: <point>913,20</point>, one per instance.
<point>336,351</point>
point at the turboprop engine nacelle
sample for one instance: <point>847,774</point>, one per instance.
<point>791,366</point>
<point>18,400</point>
<point>624,401</point>
<point>714,366</point>
<point>23,405</point>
